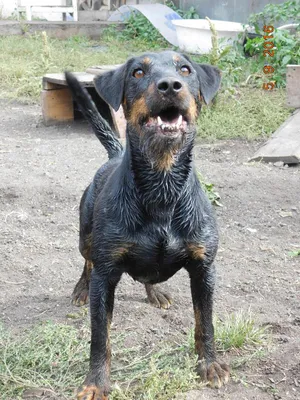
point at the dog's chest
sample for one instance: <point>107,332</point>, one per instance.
<point>155,256</point>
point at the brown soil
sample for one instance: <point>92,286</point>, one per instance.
<point>43,174</point>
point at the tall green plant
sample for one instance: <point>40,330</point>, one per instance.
<point>275,14</point>
<point>228,58</point>
<point>286,49</point>
<point>138,27</point>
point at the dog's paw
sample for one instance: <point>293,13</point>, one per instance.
<point>158,298</point>
<point>80,296</point>
<point>215,374</point>
<point>91,392</point>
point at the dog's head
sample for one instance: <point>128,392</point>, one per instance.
<point>161,94</point>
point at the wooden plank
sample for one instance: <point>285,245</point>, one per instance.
<point>50,86</point>
<point>57,106</point>
<point>293,85</point>
<point>83,77</point>
<point>284,144</point>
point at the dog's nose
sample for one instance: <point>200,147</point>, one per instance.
<point>169,85</point>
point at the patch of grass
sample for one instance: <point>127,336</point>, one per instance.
<point>250,114</point>
<point>54,357</point>
<point>23,61</point>
<point>47,356</point>
<point>159,375</point>
<point>239,330</point>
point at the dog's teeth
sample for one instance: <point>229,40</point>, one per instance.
<point>169,126</point>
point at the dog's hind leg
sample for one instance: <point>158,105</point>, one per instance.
<point>157,297</point>
<point>80,294</point>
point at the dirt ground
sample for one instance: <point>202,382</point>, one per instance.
<point>44,171</point>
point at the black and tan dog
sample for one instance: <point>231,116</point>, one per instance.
<point>145,212</point>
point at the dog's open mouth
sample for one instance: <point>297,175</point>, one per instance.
<point>169,121</point>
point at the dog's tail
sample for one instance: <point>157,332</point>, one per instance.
<point>88,108</point>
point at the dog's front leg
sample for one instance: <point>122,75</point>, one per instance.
<point>102,288</point>
<point>202,287</point>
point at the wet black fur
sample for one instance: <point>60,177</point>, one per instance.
<point>153,214</point>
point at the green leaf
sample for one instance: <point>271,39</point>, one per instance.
<point>225,51</point>
<point>295,253</point>
<point>286,59</point>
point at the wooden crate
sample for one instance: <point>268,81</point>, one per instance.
<point>58,105</point>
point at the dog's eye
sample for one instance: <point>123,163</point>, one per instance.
<point>185,70</point>
<point>138,73</point>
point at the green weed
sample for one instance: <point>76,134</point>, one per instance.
<point>294,253</point>
<point>191,13</point>
<point>276,13</point>
<point>286,51</point>
<point>209,188</point>
<point>286,45</point>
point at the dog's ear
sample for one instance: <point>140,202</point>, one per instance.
<point>110,86</point>
<point>209,78</point>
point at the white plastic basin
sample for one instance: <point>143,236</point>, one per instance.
<point>194,35</point>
